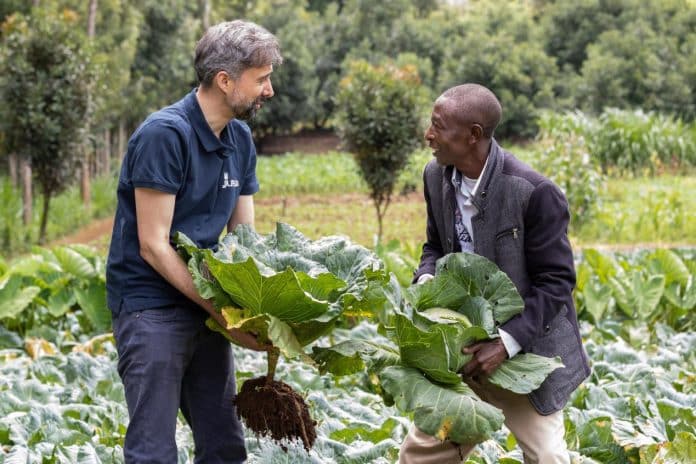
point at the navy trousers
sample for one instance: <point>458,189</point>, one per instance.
<point>169,360</point>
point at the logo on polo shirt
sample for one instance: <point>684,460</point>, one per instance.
<point>228,183</point>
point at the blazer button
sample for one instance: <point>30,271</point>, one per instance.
<point>547,328</point>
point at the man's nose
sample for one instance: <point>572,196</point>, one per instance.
<point>268,90</point>
<point>428,136</point>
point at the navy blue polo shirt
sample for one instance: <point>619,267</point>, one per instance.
<point>175,151</point>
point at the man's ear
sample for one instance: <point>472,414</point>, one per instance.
<point>223,81</point>
<point>476,133</point>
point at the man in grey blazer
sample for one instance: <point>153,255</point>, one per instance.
<point>481,199</point>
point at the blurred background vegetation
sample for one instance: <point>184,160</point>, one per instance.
<point>602,88</point>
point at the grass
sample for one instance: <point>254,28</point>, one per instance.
<point>66,214</point>
<point>645,210</point>
<point>657,210</point>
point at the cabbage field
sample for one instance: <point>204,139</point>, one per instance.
<point>61,400</point>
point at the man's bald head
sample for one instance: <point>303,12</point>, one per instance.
<point>474,103</point>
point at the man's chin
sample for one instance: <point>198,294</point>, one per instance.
<point>248,115</point>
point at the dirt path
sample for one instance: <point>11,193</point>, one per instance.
<point>92,232</point>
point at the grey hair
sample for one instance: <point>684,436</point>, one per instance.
<point>233,47</point>
<point>476,103</point>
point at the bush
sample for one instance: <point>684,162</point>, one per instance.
<point>568,163</point>
<point>380,122</point>
<point>500,47</point>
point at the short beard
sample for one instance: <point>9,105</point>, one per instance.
<point>248,112</point>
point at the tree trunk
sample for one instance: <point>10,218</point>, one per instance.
<point>27,211</point>
<point>103,164</point>
<point>13,169</point>
<point>205,14</point>
<point>44,217</point>
<point>121,140</point>
<point>85,185</point>
<point>92,19</point>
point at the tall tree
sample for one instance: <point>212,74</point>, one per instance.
<point>47,80</point>
<point>379,118</point>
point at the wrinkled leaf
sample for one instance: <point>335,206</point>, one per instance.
<point>524,373</point>
<point>453,413</point>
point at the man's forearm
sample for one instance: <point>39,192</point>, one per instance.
<point>169,265</point>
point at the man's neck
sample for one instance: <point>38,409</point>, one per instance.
<point>216,113</point>
<point>472,166</point>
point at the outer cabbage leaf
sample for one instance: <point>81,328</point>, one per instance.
<point>449,413</point>
<point>304,284</point>
<point>280,295</point>
<point>436,351</point>
<point>524,373</point>
<point>472,285</point>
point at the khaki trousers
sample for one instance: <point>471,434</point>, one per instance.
<point>540,437</point>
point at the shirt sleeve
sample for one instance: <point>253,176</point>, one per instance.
<point>158,159</point>
<point>511,345</point>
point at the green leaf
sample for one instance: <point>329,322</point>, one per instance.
<point>472,285</point>
<point>74,263</point>
<point>603,265</point>
<point>449,413</point>
<point>14,298</point>
<point>682,449</point>
<point>363,432</point>
<point>436,351</point>
<point>524,373</point>
<point>62,297</point>
<point>638,297</point>
<point>597,297</point>
<point>268,329</point>
<point>280,295</point>
<point>671,265</point>
<point>683,297</point>
<point>92,300</point>
<point>353,356</point>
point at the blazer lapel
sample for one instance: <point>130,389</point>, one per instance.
<point>449,203</point>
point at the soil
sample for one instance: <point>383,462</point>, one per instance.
<point>304,141</point>
<point>275,410</point>
<point>92,232</point>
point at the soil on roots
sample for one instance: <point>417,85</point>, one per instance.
<point>276,410</point>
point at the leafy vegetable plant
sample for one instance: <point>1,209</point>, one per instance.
<point>289,291</point>
<point>465,302</point>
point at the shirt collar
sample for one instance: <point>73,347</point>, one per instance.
<point>205,134</point>
<point>461,187</point>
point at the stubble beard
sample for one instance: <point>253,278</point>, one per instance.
<point>247,111</point>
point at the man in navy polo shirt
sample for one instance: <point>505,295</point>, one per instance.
<point>189,167</point>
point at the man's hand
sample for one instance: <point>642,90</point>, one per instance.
<point>487,356</point>
<point>248,340</point>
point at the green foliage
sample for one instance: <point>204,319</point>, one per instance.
<point>630,142</point>
<point>43,287</point>
<point>162,71</point>
<point>46,81</point>
<point>499,46</point>
<point>640,60</point>
<point>567,162</point>
<point>15,238</point>
<point>284,287</point>
<point>380,122</point>
<point>465,301</point>
<point>649,287</point>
